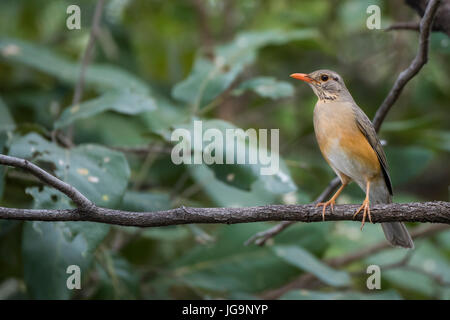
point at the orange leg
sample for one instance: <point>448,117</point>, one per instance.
<point>366,206</point>
<point>330,202</point>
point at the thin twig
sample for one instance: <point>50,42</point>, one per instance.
<point>406,75</point>
<point>79,87</point>
<point>415,26</point>
<point>87,55</point>
<point>418,62</point>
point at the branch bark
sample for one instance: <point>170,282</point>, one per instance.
<point>436,212</point>
<point>418,62</point>
<point>442,21</point>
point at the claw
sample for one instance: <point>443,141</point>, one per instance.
<point>366,206</point>
<point>325,205</point>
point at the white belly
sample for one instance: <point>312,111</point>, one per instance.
<point>340,161</point>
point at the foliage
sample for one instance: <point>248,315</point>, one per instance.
<point>156,68</point>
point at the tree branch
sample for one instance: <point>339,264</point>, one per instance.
<point>418,62</point>
<point>415,26</point>
<point>76,196</point>
<point>442,20</point>
<point>88,52</point>
<point>406,75</point>
<point>438,212</point>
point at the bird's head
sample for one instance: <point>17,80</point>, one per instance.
<point>326,84</point>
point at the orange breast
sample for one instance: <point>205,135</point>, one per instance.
<point>342,144</point>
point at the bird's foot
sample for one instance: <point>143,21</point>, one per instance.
<point>366,206</point>
<point>330,203</point>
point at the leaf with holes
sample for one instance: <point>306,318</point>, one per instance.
<point>99,173</point>
<point>237,155</point>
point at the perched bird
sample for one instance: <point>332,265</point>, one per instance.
<point>349,143</point>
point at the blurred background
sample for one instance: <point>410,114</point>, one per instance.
<point>158,65</point>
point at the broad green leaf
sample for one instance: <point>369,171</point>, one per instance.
<point>102,77</point>
<point>224,195</point>
<point>122,101</point>
<point>48,248</point>
<point>266,87</point>
<point>209,78</point>
<point>99,173</point>
<point>228,265</point>
<point>239,172</point>
<point>317,295</point>
<point>304,260</point>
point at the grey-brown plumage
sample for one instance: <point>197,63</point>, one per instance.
<point>349,143</point>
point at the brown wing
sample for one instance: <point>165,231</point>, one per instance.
<point>366,127</point>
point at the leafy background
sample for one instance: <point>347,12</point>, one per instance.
<point>162,64</point>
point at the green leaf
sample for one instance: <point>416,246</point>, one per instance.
<point>99,173</point>
<point>122,101</point>
<point>228,265</point>
<point>302,259</point>
<point>101,77</point>
<point>427,259</point>
<point>48,248</point>
<point>317,295</point>
<point>226,196</point>
<point>6,121</point>
<point>266,87</point>
<point>209,78</point>
<point>239,175</point>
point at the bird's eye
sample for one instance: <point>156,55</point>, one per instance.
<point>324,77</point>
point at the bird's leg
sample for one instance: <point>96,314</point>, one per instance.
<point>366,206</point>
<point>330,202</point>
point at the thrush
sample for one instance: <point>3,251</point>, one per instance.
<point>349,143</point>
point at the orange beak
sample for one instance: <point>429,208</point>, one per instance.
<point>303,77</point>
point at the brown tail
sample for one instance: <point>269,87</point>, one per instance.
<point>395,232</point>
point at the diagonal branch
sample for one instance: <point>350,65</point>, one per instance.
<point>418,62</point>
<point>403,78</point>
<point>76,196</point>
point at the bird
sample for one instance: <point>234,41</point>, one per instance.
<point>349,143</point>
